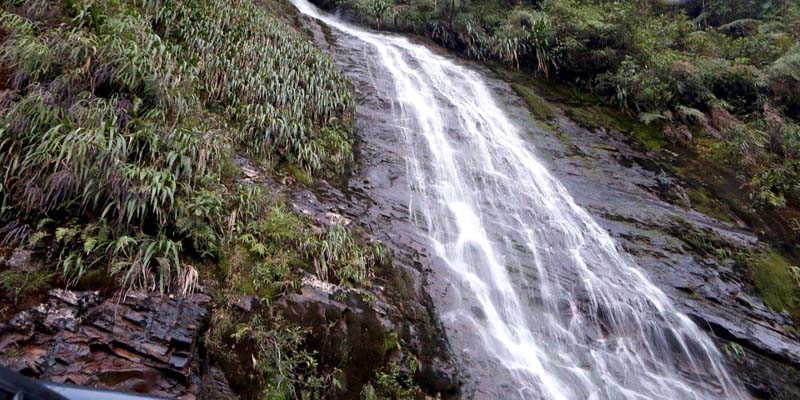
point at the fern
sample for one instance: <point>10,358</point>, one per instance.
<point>691,114</point>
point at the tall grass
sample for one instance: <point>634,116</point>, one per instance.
<point>118,117</point>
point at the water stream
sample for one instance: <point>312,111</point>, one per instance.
<point>557,309</point>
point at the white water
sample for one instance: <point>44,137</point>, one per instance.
<point>543,287</point>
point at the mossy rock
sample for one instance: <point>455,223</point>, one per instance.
<point>598,117</point>
<point>536,104</point>
<point>775,283</point>
<point>707,204</point>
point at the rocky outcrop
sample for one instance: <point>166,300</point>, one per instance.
<point>138,343</point>
<point>344,329</point>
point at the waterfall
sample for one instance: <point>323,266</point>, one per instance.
<point>550,297</point>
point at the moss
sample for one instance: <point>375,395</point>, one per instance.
<point>705,243</point>
<point>599,117</point>
<point>775,283</point>
<point>773,275</point>
<point>536,104</point>
<point>649,136</point>
<point>579,106</point>
<point>326,30</point>
<point>708,205</point>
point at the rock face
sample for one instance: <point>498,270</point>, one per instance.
<point>632,194</point>
<point>628,189</point>
<point>140,343</point>
<point>352,329</point>
<point>344,329</point>
<point>343,324</point>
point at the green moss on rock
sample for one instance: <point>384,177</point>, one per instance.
<point>536,104</point>
<point>775,284</point>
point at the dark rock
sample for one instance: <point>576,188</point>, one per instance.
<point>344,329</point>
<point>438,374</point>
<point>244,302</point>
<point>141,343</point>
<point>179,360</point>
<point>216,386</point>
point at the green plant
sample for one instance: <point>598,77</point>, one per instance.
<point>270,357</point>
<point>393,383</point>
<point>21,283</point>
<point>734,350</point>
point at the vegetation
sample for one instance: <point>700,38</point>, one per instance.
<point>774,283</point>
<point>22,283</point>
<point>538,106</point>
<point>119,117</point>
<point>263,262</point>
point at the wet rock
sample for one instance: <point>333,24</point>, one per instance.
<point>439,374</point>
<point>141,343</point>
<point>648,213</point>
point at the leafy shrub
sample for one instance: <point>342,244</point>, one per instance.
<point>270,353</point>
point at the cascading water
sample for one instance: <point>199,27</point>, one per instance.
<point>542,285</point>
